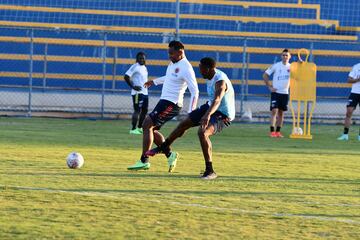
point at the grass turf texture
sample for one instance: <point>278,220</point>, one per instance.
<point>267,188</point>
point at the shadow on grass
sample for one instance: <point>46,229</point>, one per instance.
<point>175,176</point>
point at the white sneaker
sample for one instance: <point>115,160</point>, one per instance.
<point>344,137</point>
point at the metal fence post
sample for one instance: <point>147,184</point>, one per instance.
<point>243,78</point>
<point>30,72</point>
<point>104,75</point>
<point>177,21</point>
<point>45,66</point>
<point>114,69</point>
<point>311,57</point>
<point>247,76</point>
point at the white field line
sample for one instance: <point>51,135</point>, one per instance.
<point>250,212</point>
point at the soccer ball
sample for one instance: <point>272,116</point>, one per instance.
<point>74,160</point>
<point>297,131</point>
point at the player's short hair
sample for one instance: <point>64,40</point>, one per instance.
<point>286,50</point>
<point>208,62</point>
<point>140,54</point>
<point>177,45</point>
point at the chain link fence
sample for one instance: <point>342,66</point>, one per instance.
<point>53,72</point>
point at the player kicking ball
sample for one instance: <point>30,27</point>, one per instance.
<point>179,76</point>
<point>212,117</point>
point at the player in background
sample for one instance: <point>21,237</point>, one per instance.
<point>353,101</point>
<point>136,77</point>
<point>179,76</point>
<point>279,92</point>
<point>212,116</point>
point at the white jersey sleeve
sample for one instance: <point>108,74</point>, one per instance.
<point>132,70</point>
<point>355,71</point>
<point>270,70</point>
<point>355,74</point>
<point>193,88</point>
<point>160,80</point>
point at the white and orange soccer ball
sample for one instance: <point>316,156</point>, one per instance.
<point>75,160</point>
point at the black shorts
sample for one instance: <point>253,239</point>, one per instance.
<point>140,102</point>
<point>279,101</point>
<point>216,119</point>
<point>163,112</point>
<point>354,100</point>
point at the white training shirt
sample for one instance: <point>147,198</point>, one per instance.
<point>139,76</point>
<point>179,76</point>
<point>355,73</point>
<point>281,78</point>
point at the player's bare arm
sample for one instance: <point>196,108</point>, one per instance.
<point>267,83</point>
<point>220,89</point>
<point>130,83</point>
<point>353,80</point>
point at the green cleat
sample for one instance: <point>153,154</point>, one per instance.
<point>172,161</point>
<point>139,165</point>
<point>344,137</point>
<point>140,130</point>
<point>135,131</point>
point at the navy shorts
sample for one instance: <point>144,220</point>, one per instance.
<point>140,102</point>
<point>163,112</point>
<point>217,118</point>
<point>354,100</point>
<point>279,101</point>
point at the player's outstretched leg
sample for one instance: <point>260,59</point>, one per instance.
<point>176,133</point>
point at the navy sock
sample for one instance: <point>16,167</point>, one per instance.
<point>144,159</point>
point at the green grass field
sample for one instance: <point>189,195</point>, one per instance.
<point>267,188</point>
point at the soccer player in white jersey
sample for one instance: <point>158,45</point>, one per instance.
<point>136,77</point>
<point>212,116</point>
<point>353,101</point>
<point>179,76</point>
<point>279,92</point>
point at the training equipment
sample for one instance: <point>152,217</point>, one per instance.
<point>297,131</point>
<point>139,165</point>
<point>303,92</point>
<point>75,160</point>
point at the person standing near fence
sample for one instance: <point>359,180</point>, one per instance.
<point>136,77</point>
<point>353,101</point>
<point>179,76</point>
<point>279,92</point>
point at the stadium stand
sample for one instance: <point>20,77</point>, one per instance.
<point>68,40</point>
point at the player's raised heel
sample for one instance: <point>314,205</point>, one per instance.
<point>344,137</point>
<point>153,152</point>
<point>139,165</point>
<point>172,161</point>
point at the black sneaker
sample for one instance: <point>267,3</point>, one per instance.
<point>209,175</point>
